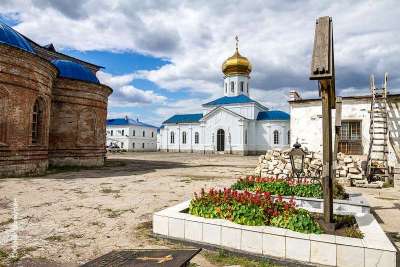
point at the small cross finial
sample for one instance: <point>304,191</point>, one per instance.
<point>237,43</point>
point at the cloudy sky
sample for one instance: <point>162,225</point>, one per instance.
<point>164,57</point>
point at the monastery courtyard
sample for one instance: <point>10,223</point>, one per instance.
<point>72,216</point>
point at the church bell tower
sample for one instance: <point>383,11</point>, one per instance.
<point>236,71</point>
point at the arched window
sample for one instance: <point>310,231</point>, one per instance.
<point>232,87</point>
<point>144,133</point>
<point>288,137</point>
<point>37,122</point>
<point>196,138</point>
<point>183,137</point>
<point>276,137</point>
<point>134,133</point>
<point>241,87</point>
<point>172,140</point>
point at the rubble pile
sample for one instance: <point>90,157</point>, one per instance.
<point>277,163</point>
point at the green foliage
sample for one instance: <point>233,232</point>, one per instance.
<point>252,209</point>
<point>301,221</point>
<point>283,187</point>
<point>287,187</point>
<point>223,258</point>
<point>353,232</point>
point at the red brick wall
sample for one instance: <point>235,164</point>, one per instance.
<point>24,77</point>
<point>78,123</point>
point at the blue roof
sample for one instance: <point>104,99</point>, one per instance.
<point>240,99</point>
<point>126,122</point>
<point>11,37</point>
<point>75,71</point>
<point>184,118</point>
<point>273,115</point>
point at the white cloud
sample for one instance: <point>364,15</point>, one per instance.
<point>125,94</point>
<point>196,37</point>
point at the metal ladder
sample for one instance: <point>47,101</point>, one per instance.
<point>377,161</point>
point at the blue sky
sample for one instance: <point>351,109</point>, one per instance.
<point>164,57</point>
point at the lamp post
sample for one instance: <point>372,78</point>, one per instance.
<point>297,155</point>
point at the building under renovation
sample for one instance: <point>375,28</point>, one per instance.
<point>369,126</point>
<point>53,109</point>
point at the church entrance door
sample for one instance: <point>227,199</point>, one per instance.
<point>220,140</point>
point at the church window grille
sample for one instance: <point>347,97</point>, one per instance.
<point>134,133</point>
<point>152,134</point>
<point>172,140</point>
<point>143,145</point>
<point>112,133</point>
<point>276,137</point>
<point>196,138</point>
<point>184,138</point>
<point>241,86</point>
<point>133,145</point>
<point>123,132</point>
<point>37,122</point>
<point>144,133</point>
<point>232,87</point>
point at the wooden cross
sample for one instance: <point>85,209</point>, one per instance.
<point>323,70</point>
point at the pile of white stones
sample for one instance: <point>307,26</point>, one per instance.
<point>277,163</point>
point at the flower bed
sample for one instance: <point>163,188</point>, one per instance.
<point>286,187</point>
<point>252,209</point>
<point>257,209</point>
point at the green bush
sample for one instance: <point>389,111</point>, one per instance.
<point>287,187</point>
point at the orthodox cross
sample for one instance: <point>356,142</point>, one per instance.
<point>323,70</point>
<point>237,43</point>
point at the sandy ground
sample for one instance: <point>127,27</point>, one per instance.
<point>68,218</point>
<point>71,217</point>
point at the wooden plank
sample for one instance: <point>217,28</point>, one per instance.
<point>322,59</point>
<point>327,158</point>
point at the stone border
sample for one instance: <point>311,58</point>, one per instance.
<point>355,204</point>
<point>374,249</point>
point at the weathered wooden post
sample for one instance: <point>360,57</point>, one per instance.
<point>323,70</point>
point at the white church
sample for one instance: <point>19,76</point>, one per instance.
<point>233,124</point>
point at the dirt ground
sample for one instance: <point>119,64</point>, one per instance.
<point>69,217</point>
<point>72,217</point>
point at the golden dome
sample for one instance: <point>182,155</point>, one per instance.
<point>236,64</point>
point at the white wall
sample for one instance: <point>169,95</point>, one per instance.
<point>127,140</point>
<point>236,82</point>
<point>178,145</point>
<point>259,134</point>
<point>306,121</point>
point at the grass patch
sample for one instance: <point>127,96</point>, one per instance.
<point>223,258</point>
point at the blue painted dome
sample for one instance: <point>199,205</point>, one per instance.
<point>75,71</point>
<point>11,37</point>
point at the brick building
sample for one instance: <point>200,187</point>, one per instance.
<point>53,109</point>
